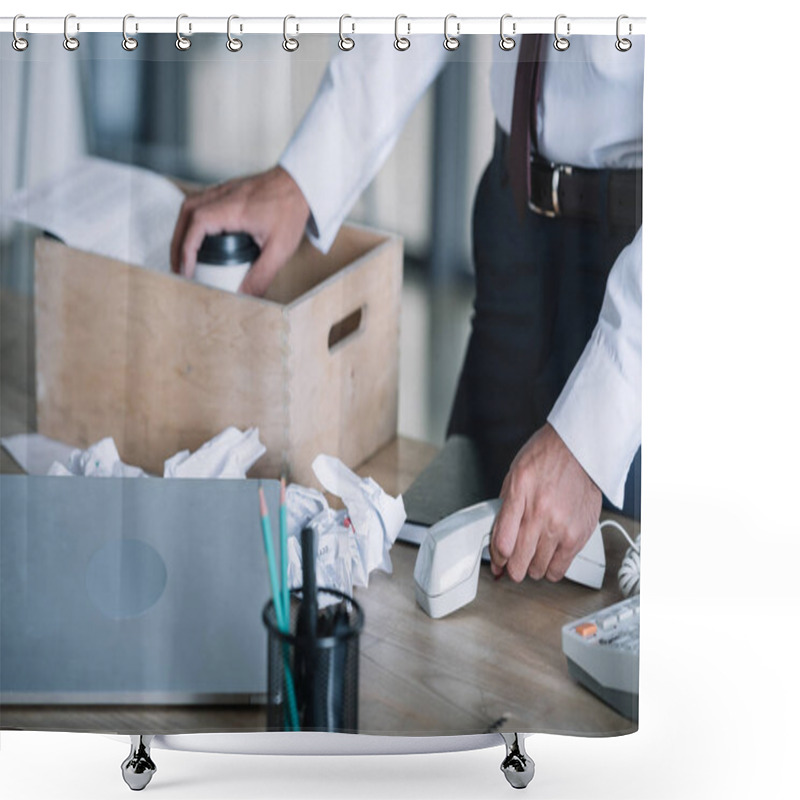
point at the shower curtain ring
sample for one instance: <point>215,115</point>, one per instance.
<point>129,43</point>
<point>181,42</point>
<point>506,42</point>
<point>233,44</point>
<point>18,43</point>
<point>290,44</point>
<point>70,42</point>
<point>345,42</point>
<point>561,43</point>
<point>451,42</point>
<point>400,42</point>
<point>623,45</point>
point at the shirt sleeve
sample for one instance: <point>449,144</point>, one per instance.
<point>357,115</point>
<point>598,414</point>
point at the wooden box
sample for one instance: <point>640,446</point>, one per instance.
<point>162,364</point>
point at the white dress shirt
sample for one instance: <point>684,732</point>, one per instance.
<point>589,116</point>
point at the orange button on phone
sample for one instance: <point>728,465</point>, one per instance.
<point>586,629</point>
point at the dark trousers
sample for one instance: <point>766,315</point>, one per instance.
<point>539,288</point>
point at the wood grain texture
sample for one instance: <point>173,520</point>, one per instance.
<point>139,719</point>
<point>17,371</point>
<point>159,363</point>
<point>343,399</point>
<point>163,364</point>
<point>308,269</point>
<point>396,465</point>
<point>496,664</point>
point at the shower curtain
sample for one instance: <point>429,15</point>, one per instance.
<point>444,298</point>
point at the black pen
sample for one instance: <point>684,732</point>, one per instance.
<point>307,621</point>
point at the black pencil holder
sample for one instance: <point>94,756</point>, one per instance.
<point>322,669</point>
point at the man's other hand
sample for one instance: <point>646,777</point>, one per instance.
<point>550,508</point>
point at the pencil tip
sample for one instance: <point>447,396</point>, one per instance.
<point>262,501</point>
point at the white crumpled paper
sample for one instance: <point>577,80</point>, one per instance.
<point>230,454</point>
<point>335,556</point>
<point>100,460</point>
<point>376,516</point>
<point>351,543</point>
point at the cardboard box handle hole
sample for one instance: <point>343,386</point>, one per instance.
<point>345,329</point>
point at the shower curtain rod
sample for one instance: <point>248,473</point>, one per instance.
<point>407,26</point>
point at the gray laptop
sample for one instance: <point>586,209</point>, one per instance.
<point>132,590</point>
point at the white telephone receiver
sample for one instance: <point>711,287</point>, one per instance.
<point>446,570</point>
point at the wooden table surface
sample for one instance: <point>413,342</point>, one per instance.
<point>494,665</point>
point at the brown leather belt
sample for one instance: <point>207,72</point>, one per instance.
<point>558,190</point>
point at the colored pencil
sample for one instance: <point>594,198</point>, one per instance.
<point>281,615</point>
<point>284,551</point>
<point>277,597</point>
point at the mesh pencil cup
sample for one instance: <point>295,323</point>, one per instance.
<point>322,669</point>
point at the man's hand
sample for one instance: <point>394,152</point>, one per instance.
<point>269,206</point>
<point>550,508</point>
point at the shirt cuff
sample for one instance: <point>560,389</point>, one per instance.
<point>329,170</point>
<point>598,415</point>
<point>287,162</point>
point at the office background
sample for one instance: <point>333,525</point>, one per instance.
<point>171,112</point>
<point>720,707</point>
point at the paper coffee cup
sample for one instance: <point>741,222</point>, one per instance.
<point>224,259</point>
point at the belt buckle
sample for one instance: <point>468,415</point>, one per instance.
<point>555,211</point>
